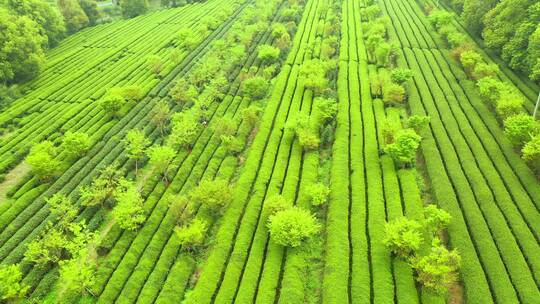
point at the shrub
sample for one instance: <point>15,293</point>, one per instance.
<point>76,143</point>
<point>403,149</point>
<point>191,237</point>
<point>437,270</point>
<point>469,59</point>
<point>400,76</point>
<point>112,103</point>
<point>255,87</point>
<point>212,195</point>
<point>393,94</point>
<point>42,161</point>
<point>276,203</point>
<point>403,237</point>
<point>292,226</point>
<point>417,122</point>
<point>509,104</point>
<point>12,288</point>
<point>318,193</point>
<point>521,128</point>
<point>482,70</point>
<point>531,152</point>
<point>128,212</point>
<point>268,54</point>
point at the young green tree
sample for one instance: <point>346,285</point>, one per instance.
<point>12,289</point>
<point>42,161</point>
<point>184,93</point>
<point>393,94</point>
<point>255,87</point>
<point>77,275</point>
<point>482,70</point>
<point>128,212</point>
<point>469,60</point>
<point>276,203</point>
<point>510,103</point>
<point>185,130</point>
<point>112,102</point>
<point>313,73</point>
<point>250,115</point>
<point>62,208</point>
<point>213,195</point>
<point>191,236</point>
<point>225,126</point>
<point>417,123</point>
<point>326,109</point>
<point>521,128</point>
<point>187,39</point>
<point>531,152</point>
<point>74,15</point>
<point>268,54</point>
<point>160,159</point>
<point>75,144</point>
<point>133,8</point>
<point>161,115</point>
<point>155,63</point>
<point>292,226</point>
<point>403,149</point>
<point>102,188</point>
<point>136,144</point>
<point>318,193</point>
<point>400,75</point>
<point>437,271</point>
<point>403,237</point>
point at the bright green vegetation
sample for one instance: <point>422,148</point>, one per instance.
<point>282,151</point>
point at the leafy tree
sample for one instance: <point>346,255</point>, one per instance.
<point>372,42</point>
<point>473,13</point>
<point>74,15</point>
<point>187,39</point>
<point>292,226</point>
<point>489,89</point>
<point>521,128</point>
<point>185,130</point>
<point>440,18</point>
<point>184,93</point>
<point>329,47</point>
<point>417,122</point>
<point>250,115</point>
<point>90,8</point>
<point>62,208</point>
<point>11,286</point>
<point>112,102</point>
<point>136,144</point>
<point>192,236</point>
<point>225,126</point>
<point>275,203</point>
<point>393,94</point>
<point>510,103</point>
<point>133,8</point>
<point>313,73</point>
<point>161,115</point>
<point>308,139</point>
<point>131,92</point>
<point>437,271</point>
<point>268,54</point>
<point>102,188</point>
<point>326,109</point>
<point>400,75</point>
<point>469,60</point>
<point>403,237</point>
<point>501,22</point>
<point>531,152</point>
<point>212,195</point>
<point>482,70</point>
<point>435,219</point>
<point>155,63</point>
<point>161,158</point>
<point>48,17</point>
<point>403,149</point>
<point>42,161</point>
<point>232,144</point>
<point>76,143</point>
<point>21,48</point>
<point>318,193</point>
<point>77,275</point>
<point>255,87</point>
<point>128,212</point>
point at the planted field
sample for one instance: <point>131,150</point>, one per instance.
<point>283,151</point>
